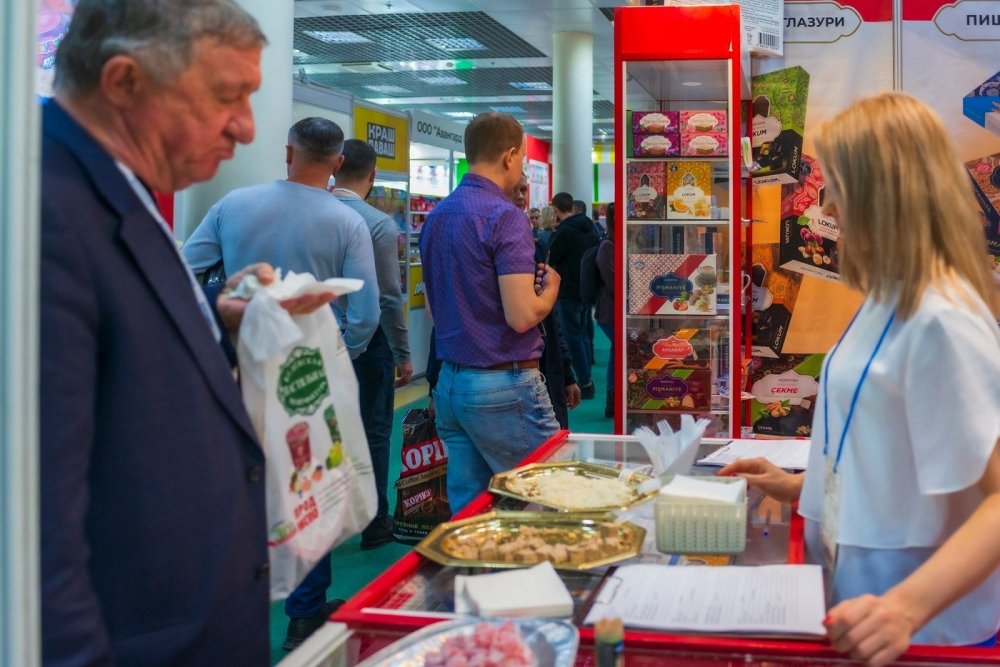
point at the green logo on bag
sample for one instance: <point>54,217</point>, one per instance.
<point>302,382</point>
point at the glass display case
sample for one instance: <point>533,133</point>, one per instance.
<point>681,197</point>
<point>416,592</point>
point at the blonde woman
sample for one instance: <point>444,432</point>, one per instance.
<point>547,227</point>
<point>902,492</point>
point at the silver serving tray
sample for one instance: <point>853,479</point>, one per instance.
<point>554,642</point>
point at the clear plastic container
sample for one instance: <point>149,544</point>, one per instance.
<point>692,526</point>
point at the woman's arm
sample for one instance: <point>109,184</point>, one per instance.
<point>876,630</point>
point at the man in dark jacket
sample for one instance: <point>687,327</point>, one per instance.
<point>574,237</point>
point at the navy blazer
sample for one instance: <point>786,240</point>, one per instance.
<point>153,526</point>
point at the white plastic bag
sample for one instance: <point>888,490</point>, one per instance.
<point>302,395</point>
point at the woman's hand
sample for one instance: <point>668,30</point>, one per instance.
<point>766,476</point>
<point>874,630</point>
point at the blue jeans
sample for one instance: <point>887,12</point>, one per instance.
<point>375,371</point>
<point>490,421</point>
<point>310,595</point>
<point>573,324</point>
<point>609,331</point>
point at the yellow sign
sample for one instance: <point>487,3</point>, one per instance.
<point>387,134</point>
<point>416,286</point>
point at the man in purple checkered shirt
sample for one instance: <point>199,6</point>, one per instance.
<point>487,297</point>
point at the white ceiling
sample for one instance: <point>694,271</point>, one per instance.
<point>533,21</point>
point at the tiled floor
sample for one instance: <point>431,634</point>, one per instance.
<point>353,568</point>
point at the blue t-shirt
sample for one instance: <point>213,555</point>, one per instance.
<point>473,236</point>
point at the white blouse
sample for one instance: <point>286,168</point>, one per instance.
<point>926,421</point>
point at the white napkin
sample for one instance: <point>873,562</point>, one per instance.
<point>535,591</point>
<point>692,488</point>
<point>295,285</point>
<point>671,451</point>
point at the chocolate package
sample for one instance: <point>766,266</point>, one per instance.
<point>665,284</point>
<point>704,133</point>
<point>689,190</point>
<point>773,293</point>
<point>779,116</point>
<point>668,389</point>
<point>654,134</point>
<point>784,394</point>
<point>985,175</point>
<point>808,243</point>
<point>646,188</point>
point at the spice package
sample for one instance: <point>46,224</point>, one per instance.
<point>784,394</point>
<point>985,174</point>
<point>779,116</point>
<point>672,284</point>
<point>689,190</point>
<point>647,188</point>
<point>773,294</point>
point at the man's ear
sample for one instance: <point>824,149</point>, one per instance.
<point>337,164</point>
<point>371,177</point>
<point>510,157</point>
<point>123,81</point>
<point>288,154</point>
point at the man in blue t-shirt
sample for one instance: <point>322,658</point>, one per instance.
<point>487,296</point>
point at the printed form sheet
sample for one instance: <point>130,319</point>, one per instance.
<point>770,599</point>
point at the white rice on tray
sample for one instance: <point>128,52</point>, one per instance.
<point>568,489</point>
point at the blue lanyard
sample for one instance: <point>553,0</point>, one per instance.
<point>857,389</point>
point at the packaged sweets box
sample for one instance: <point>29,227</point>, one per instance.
<point>707,144</point>
<point>784,392</point>
<point>982,104</point>
<point>654,122</point>
<point>646,189</point>
<point>779,116</point>
<point>656,145</point>
<point>773,294</point>
<point>668,389</point>
<point>672,284</point>
<point>654,134</point>
<point>689,190</point>
<point>809,244</point>
<point>703,121</point>
<point>657,349</point>
<point>985,175</point>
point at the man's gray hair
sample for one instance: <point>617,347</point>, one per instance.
<point>159,34</point>
<point>318,138</point>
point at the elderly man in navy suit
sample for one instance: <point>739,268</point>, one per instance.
<point>153,529</point>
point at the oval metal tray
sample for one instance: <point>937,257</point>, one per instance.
<point>500,484</point>
<point>584,537</point>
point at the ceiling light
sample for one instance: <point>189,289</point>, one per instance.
<point>508,108</point>
<point>691,83</point>
<point>333,37</point>
<point>388,89</point>
<point>531,85</point>
<point>545,128</point>
<point>456,44</point>
<point>460,114</point>
<point>443,80</point>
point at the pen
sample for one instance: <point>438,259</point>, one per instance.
<point>767,522</point>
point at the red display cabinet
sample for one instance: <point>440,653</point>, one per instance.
<point>682,200</point>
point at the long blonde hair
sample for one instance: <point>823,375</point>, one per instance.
<point>905,204</point>
<point>548,215</point>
